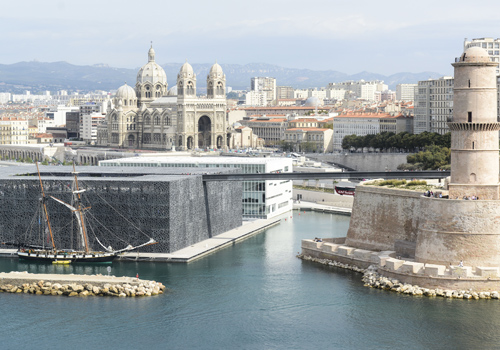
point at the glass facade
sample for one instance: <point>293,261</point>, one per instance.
<point>254,192</point>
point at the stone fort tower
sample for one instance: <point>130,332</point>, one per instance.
<point>474,128</point>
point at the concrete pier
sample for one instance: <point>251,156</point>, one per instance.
<point>98,280</point>
<point>208,246</point>
<point>322,208</point>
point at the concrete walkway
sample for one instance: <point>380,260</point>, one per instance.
<point>208,246</point>
<point>323,208</point>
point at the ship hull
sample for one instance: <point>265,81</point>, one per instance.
<point>74,257</point>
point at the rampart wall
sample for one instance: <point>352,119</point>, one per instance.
<point>380,216</point>
<point>454,230</point>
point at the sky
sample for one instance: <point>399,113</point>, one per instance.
<point>384,37</point>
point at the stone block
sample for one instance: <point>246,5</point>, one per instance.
<point>412,267</point>
<point>487,271</point>
<point>394,264</point>
<point>330,247</point>
<point>362,254</point>
<point>434,270</point>
<point>310,244</point>
<point>345,251</point>
<point>465,271</point>
<point>379,258</point>
<point>388,253</point>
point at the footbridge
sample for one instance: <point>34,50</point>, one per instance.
<point>431,174</point>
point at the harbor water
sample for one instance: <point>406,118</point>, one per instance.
<point>253,295</point>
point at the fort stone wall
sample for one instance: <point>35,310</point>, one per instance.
<point>455,230</point>
<point>382,216</point>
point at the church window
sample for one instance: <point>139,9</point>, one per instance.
<point>157,120</point>
<point>190,88</point>
<point>469,117</point>
<point>210,89</point>
<point>220,88</point>
<point>147,120</point>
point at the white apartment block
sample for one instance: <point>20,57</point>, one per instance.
<point>360,124</point>
<point>406,92</point>
<point>489,44</point>
<point>270,128</point>
<point>320,94</point>
<point>89,124</point>
<point>5,97</point>
<point>336,94</point>
<point>266,84</point>
<point>256,98</point>
<point>59,115</point>
<point>18,128</point>
<point>301,94</point>
<point>41,124</point>
<point>361,89</point>
<point>433,105</point>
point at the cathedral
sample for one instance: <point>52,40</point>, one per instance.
<point>150,116</point>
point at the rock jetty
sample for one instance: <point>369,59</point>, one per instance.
<point>373,279</point>
<point>77,286</point>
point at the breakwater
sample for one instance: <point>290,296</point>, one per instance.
<point>374,280</point>
<point>78,285</point>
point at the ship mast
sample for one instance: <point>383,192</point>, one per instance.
<point>79,210</point>
<point>45,208</point>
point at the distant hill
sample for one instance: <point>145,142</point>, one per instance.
<point>40,76</point>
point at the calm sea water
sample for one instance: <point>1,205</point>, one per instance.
<point>253,295</point>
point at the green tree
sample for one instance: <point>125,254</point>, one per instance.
<point>308,146</point>
<point>432,158</point>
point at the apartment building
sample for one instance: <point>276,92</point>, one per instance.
<point>18,129</point>
<point>271,128</point>
<point>433,105</point>
<point>267,85</point>
<point>284,92</point>
<point>406,92</point>
<point>256,98</point>
<point>89,124</point>
<point>362,124</point>
<point>310,139</point>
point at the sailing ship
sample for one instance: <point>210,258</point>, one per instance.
<point>83,254</point>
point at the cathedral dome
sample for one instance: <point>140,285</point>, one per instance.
<point>125,92</point>
<point>216,70</point>
<point>151,72</point>
<point>172,91</point>
<point>186,70</point>
<point>475,54</point>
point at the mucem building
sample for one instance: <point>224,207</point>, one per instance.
<point>126,206</point>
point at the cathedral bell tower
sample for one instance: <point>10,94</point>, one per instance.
<point>474,128</point>
<point>216,82</point>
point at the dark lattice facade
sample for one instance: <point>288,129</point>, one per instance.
<point>132,204</point>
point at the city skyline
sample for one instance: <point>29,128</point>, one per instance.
<point>331,35</point>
